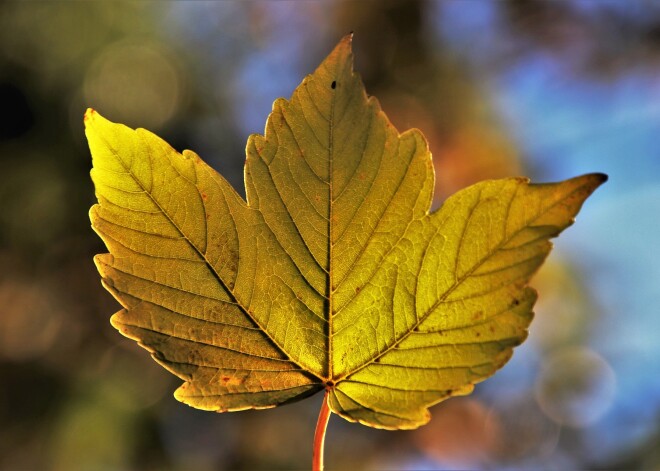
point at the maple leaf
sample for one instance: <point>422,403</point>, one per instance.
<point>333,274</point>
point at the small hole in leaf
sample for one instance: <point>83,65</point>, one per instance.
<point>330,383</point>
<point>333,85</point>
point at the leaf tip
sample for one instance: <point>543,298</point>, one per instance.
<point>593,180</point>
<point>343,50</point>
<point>601,177</point>
<point>93,119</point>
<point>89,114</point>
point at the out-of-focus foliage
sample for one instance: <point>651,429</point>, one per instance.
<point>546,89</point>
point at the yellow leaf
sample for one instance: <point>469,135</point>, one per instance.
<point>333,274</point>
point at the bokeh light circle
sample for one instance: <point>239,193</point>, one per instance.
<point>137,84</point>
<point>576,387</point>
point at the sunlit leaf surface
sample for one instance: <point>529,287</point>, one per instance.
<point>333,275</point>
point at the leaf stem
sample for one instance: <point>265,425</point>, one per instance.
<point>319,434</point>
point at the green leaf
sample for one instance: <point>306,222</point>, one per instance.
<point>333,275</point>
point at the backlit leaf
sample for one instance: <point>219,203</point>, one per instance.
<point>334,274</point>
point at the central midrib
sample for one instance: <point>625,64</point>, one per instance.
<point>330,288</point>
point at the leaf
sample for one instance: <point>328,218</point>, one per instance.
<point>333,275</point>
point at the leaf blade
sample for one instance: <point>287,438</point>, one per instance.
<point>461,299</point>
<point>333,273</point>
<point>169,314</point>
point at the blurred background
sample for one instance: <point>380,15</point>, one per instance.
<point>544,89</point>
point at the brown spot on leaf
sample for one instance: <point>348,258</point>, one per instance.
<point>232,381</point>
